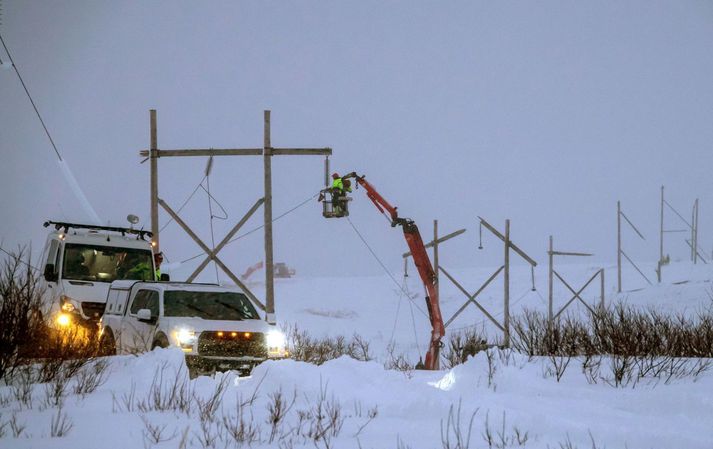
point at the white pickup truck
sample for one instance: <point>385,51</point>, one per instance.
<point>217,327</point>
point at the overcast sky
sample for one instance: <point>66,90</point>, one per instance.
<point>546,113</point>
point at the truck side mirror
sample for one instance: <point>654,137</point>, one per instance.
<point>49,274</point>
<point>144,315</point>
<point>165,277</point>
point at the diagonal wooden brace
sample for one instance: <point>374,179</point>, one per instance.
<point>471,298</point>
<point>236,228</point>
<point>205,248</point>
<point>576,293</point>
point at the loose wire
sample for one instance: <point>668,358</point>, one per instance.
<point>386,270</point>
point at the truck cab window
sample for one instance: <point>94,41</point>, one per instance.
<point>139,301</point>
<point>152,302</point>
<point>105,263</point>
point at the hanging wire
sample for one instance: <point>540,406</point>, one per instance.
<point>532,275</point>
<point>396,318</point>
<point>211,197</point>
<point>413,320</point>
<point>200,184</point>
<point>404,292</point>
<point>386,270</point>
<point>24,86</point>
<point>21,261</point>
<point>212,232</point>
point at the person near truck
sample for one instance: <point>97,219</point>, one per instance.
<point>158,260</point>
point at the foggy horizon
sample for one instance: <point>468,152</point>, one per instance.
<point>546,114</point>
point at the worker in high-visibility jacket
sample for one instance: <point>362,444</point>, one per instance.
<point>158,260</point>
<point>339,189</point>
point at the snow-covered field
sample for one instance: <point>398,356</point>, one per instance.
<point>346,403</point>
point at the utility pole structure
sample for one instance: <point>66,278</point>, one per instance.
<point>618,246</point>
<point>660,264</point>
<point>505,268</point>
<point>267,152</point>
<point>506,285</point>
<point>551,315</point>
<point>153,156</point>
<point>269,263</point>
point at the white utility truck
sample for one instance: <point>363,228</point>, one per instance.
<point>80,263</point>
<point>217,327</point>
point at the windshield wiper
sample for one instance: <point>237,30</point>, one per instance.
<point>231,307</point>
<point>198,309</point>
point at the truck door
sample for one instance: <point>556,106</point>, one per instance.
<point>137,336</point>
<point>50,275</point>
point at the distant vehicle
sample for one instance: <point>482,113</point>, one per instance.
<point>80,263</point>
<point>281,270</point>
<point>217,327</point>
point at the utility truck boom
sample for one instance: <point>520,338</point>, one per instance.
<point>420,258</point>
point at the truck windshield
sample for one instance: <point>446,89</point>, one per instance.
<point>208,305</point>
<point>106,263</point>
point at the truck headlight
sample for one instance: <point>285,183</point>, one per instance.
<point>185,337</point>
<point>63,320</point>
<point>275,341</point>
<point>67,304</point>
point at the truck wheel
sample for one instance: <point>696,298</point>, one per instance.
<point>160,342</point>
<point>107,345</point>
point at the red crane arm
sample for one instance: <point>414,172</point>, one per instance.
<point>423,266</point>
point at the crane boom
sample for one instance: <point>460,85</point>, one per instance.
<point>423,266</point>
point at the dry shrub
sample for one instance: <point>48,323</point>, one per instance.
<point>461,345</point>
<point>617,330</point>
<point>25,338</point>
<point>305,348</point>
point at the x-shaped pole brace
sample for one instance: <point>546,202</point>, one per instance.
<point>471,298</point>
<point>576,293</point>
<point>213,254</point>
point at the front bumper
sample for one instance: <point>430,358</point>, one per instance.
<point>198,364</point>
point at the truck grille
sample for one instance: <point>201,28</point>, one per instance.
<point>224,344</point>
<point>94,310</point>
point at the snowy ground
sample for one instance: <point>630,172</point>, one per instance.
<point>518,401</point>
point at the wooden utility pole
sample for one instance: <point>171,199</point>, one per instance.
<point>550,255</point>
<point>269,265</point>
<point>660,264</point>
<point>153,156</point>
<point>506,282</point>
<point>267,151</point>
<point>618,246</point>
<point>694,233</point>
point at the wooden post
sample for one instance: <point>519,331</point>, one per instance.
<point>506,282</point>
<point>618,245</point>
<point>694,225</point>
<point>435,256</point>
<point>153,157</point>
<point>660,264</point>
<point>550,254</point>
<point>601,304</point>
<point>269,263</point>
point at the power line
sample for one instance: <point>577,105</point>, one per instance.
<point>24,86</point>
<point>259,227</point>
<point>386,270</point>
<point>14,256</point>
